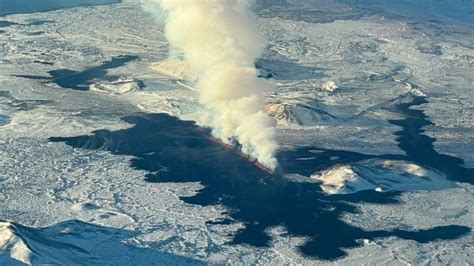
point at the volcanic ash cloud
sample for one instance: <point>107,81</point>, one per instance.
<point>220,42</point>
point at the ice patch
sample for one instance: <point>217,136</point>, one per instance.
<point>381,176</point>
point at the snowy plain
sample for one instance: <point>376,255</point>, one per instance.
<point>340,68</point>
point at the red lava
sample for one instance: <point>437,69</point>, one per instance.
<point>240,153</point>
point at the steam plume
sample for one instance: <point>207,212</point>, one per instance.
<point>220,42</point>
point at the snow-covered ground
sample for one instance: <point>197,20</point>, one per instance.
<point>339,68</point>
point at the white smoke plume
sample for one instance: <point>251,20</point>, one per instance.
<point>220,42</point>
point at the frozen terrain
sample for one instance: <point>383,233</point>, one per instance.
<point>102,161</point>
